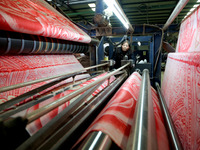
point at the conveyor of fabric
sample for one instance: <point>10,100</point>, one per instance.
<point>48,100</point>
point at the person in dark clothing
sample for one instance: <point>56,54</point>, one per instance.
<point>121,52</point>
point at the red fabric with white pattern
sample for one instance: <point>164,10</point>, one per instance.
<point>39,123</point>
<point>37,17</point>
<point>116,118</point>
<point>181,90</point>
<point>189,34</point>
<point>19,69</point>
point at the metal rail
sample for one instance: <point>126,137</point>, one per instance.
<point>143,131</point>
<point>174,140</point>
<point>90,108</point>
<point>43,110</point>
<point>11,112</point>
<point>61,121</point>
<point>56,123</point>
<point>33,92</point>
<point>181,4</point>
<point>12,87</point>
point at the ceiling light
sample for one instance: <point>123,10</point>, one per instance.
<point>196,5</point>
<point>114,6</point>
<point>92,5</point>
<point>49,0</point>
<point>93,9</point>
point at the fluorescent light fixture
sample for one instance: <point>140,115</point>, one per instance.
<point>196,5</point>
<point>113,5</point>
<point>49,0</point>
<point>192,9</point>
<point>92,5</point>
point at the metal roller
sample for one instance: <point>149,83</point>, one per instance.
<point>174,139</point>
<point>143,130</point>
<point>19,43</point>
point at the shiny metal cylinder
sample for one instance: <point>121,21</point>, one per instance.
<point>143,130</point>
<point>96,140</point>
<point>181,4</point>
<point>47,108</point>
<point>174,140</point>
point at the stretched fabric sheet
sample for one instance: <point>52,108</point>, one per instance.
<point>37,17</point>
<point>189,39</point>
<point>181,90</point>
<point>115,119</point>
<point>39,123</point>
<point>19,69</point>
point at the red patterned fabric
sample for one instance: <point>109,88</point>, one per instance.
<point>181,90</point>
<point>19,69</point>
<point>189,39</point>
<point>115,119</point>
<point>39,123</point>
<point>39,18</point>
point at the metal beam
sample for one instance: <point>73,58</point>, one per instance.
<point>81,2</point>
<point>181,4</point>
<point>171,130</point>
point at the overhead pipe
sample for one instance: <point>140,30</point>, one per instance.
<point>181,4</point>
<point>143,130</point>
<point>171,130</point>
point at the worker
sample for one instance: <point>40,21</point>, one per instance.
<point>123,52</point>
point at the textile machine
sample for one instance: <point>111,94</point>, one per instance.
<point>48,100</point>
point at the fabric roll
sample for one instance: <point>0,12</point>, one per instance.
<point>37,17</point>
<point>19,69</point>
<point>13,43</point>
<point>181,90</point>
<point>189,39</point>
<point>116,118</point>
<point>39,123</point>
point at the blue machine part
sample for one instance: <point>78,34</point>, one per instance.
<point>153,42</point>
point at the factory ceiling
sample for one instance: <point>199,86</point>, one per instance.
<point>137,11</point>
